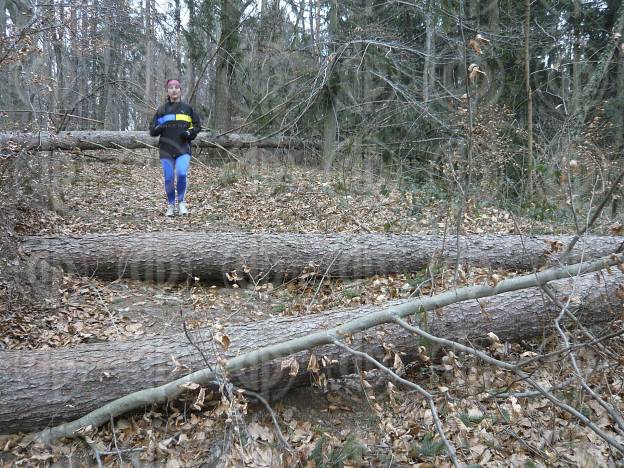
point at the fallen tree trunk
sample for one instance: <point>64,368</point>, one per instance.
<point>48,387</point>
<point>100,139</point>
<point>177,256</point>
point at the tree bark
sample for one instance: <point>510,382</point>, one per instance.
<point>225,62</point>
<point>175,256</point>
<point>2,18</point>
<point>591,94</point>
<point>178,36</point>
<point>47,387</point>
<point>529,91</point>
<point>104,110</point>
<point>429,66</point>
<point>577,85</point>
<point>91,140</point>
<point>149,58</point>
<point>330,120</point>
<point>493,16</point>
<point>619,116</point>
<point>59,50</point>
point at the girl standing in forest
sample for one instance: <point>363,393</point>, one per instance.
<point>177,125</point>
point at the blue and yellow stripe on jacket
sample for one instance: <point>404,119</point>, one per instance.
<point>175,117</point>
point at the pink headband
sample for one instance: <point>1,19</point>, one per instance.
<point>174,81</point>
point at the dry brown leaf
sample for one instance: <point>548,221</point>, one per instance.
<point>398,364</point>
<point>199,401</point>
<point>292,364</point>
<point>190,385</point>
<point>313,365</point>
<point>474,71</point>
<point>474,45</point>
<point>616,229</point>
<point>259,432</point>
<point>178,366</point>
<point>493,337</point>
<point>223,340</point>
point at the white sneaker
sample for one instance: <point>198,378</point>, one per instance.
<point>182,209</point>
<point>170,210</point>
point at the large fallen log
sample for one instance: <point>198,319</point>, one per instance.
<point>177,256</point>
<point>48,387</point>
<point>100,139</point>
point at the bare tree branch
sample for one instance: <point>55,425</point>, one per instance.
<point>428,396</point>
<point>523,375</point>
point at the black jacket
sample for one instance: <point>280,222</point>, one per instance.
<point>177,125</point>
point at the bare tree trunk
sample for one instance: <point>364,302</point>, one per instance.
<point>471,100</point>
<point>42,388</point>
<point>527,80</point>
<point>591,91</point>
<point>264,31</point>
<point>2,18</point>
<point>104,111</point>
<point>58,47</point>
<point>300,27</point>
<point>92,69</point>
<point>428,71</point>
<point>493,16</point>
<point>317,26</point>
<point>619,136</point>
<point>178,38</point>
<point>330,126</point>
<point>473,13</point>
<point>576,59</point>
<point>230,16</point>
<point>170,256</point>
<point>313,38</point>
<point>149,57</point>
<point>74,65</point>
<point>448,75</point>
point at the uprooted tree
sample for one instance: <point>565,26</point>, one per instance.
<point>49,387</point>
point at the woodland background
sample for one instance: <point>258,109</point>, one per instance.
<point>429,117</point>
<point>498,93</point>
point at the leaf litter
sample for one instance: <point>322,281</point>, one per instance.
<point>357,420</point>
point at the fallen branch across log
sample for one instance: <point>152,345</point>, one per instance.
<point>178,256</point>
<point>100,139</point>
<point>52,386</point>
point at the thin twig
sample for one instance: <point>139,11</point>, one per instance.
<point>259,397</point>
<point>322,280</point>
<point>566,350</point>
<point>595,216</point>
<point>52,113</point>
<point>572,207</point>
<point>222,148</point>
<point>428,396</point>
<point>530,394</point>
<point>613,412</point>
<point>523,375</point>
<point>194,345</point>
<point>112,423</point>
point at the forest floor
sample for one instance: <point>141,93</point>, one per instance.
<point>354,421</point>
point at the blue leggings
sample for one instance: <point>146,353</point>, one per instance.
<point>180,165</point>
